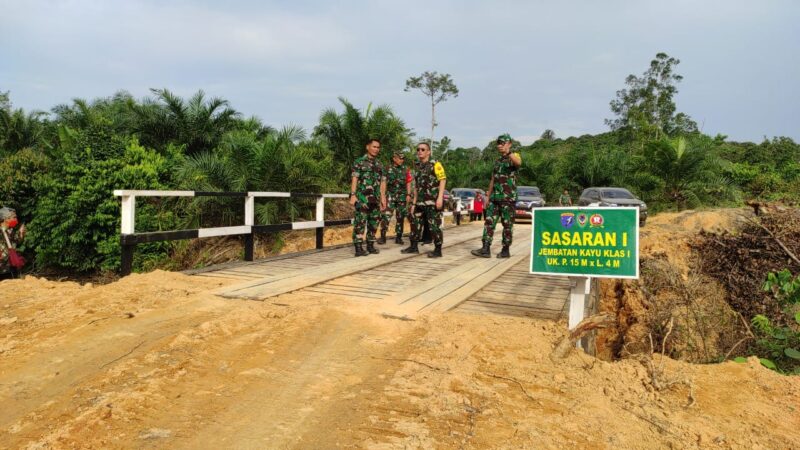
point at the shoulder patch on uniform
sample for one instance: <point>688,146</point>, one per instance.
<point>438,169</point>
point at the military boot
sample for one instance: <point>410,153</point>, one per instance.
<point>504,253</point>
<point>483,252</point>
<point>436,253</point>
<point>360,250</point>
<point>411,248</point>
<point>382,239</point>
<point>371,248</point>
<point>398,239</point>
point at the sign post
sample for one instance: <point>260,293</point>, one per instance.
<point>585,243</point>
<point>580,288</point>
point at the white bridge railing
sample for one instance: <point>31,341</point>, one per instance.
<point>129,238</point>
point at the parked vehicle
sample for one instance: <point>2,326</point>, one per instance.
<point>467,196</point>
<point>613,196</point>
<point>528,197</point>
<point>448,201</point>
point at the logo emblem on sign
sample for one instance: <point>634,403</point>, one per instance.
<point>582,219</point>
<point>596,221</point>
<point>567,219</point>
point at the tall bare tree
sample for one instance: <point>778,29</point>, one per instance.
<point>437,87</point>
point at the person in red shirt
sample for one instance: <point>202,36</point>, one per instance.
<point>477,207</point>
<point>12,235</point>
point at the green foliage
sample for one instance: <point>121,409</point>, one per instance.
<point>197,123</point>
<point>768,171</point>
<point>792,353</point>
<point>346,133</point>
<point>645,109</point>
<point>591,166</point>
<point>19,130</point>
<point>768,364</point>
<point>784,287</point>
<point>548,135</point>
<point>779,345</point>
<point>18,173</point>
<point>283,161</point>
<point>59,170</point>
<point>688,172</point>
<point>76,221</point>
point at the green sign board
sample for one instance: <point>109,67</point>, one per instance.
<point>592,242</point>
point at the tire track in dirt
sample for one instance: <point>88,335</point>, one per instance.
<point>296,395</point>
<point>257,376</point>
<point>51,379</point>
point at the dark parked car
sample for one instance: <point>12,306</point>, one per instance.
<point>528,197</point>
<point>613,196</point>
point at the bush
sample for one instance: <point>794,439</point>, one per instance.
<point>779,345</point>
<point>17,175</point>
<point>77,221</point>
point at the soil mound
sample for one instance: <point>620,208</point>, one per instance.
<point>673,290</point>
<point>155,360</point>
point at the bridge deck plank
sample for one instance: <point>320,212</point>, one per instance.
<point>291,281</point>
<point>410,284</point>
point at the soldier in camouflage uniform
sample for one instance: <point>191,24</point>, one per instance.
<point>367,196</point>
<point>429,181</point>
<point>8,223</point>
<point>502,197</point>
<point>398,187</point>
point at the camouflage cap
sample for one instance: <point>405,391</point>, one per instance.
<point>399,153</point>
<point>505,137</point>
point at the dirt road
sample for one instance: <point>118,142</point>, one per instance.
<point>156,361</point>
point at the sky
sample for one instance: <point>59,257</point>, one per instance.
<point>521,66</point>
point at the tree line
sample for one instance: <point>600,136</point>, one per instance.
<point>58,169</point>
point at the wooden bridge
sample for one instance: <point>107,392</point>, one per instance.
<point>398,283</point>
<point>409,284</point>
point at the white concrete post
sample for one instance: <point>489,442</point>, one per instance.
<point>249,210</point>
<point>577,299</point>
<point>128,222</point>
<point>320,209</point>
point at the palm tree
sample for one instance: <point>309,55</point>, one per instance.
<point>347,132</point>
<point>19,130</point>
<point>690,173</point>
<point>111,113</point>
<point>198,123</point>
<point>282,161</point>
<point>587,165</point>
<point>463,171</point>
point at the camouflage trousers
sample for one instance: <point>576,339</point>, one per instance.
<point>433,216</point>
<point>398,209</point>
<point>367,215</point>
<point>499,212</point>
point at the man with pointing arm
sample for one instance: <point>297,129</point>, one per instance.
<point>502,195</point>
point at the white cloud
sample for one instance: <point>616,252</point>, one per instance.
<point>521,66</point>
<point>178,32</point>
